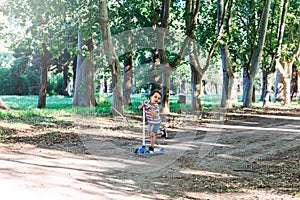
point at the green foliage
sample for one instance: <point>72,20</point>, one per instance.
<point>4,81</point>
<point>23,77</point>
<point>6,59</point>
<point>58,22</point>
<point>55,85</point>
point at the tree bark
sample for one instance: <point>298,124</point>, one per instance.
<point>287,84</point>
<point>43,77</point>
<point>196,77</point>
<point>294,84</point>
<point>113,61</point>
<point>284,64</point>
<point>252,69</point>
<point>84,95</point>
<point>227,77</point>
<point>3,105</point>
<point>155,72</point>
<point>128,77</point>
<point>226,101</point>
<point>67,89</point>
<point>266,87</point>
<point>278,88</point>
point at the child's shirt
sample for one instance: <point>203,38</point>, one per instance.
<point>148,108</point>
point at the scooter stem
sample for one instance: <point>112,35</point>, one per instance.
<point>144,116</point>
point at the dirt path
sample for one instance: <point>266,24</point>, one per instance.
<point>238,155</point>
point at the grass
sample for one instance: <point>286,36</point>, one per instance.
<point>25,107</point>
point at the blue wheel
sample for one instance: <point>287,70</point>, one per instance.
<point>147,154</point>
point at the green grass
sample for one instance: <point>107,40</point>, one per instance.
<point>25,107</point>
<point>30,102</point>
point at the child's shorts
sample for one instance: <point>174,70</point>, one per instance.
<point>153,127</point>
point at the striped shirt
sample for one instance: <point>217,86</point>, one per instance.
<point>148,108</point>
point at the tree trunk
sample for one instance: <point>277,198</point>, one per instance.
<point>287,84</point>
<point>227,77</point>
<point>166,82</point>
<point>294,84</point>
<point>84,95</point>
<point>266,88</point>
<point>196,90</point>
<point>234,89</point>
<point>84,86</point>
<point>278,88</point>
<point>285,63</point>
<point>113,61</point>
<point>264,83</point>
<point>196,78</point>
<point>74,65</point>
<point>128,77</point>
<point>66,87</point>
<point>155,71</point>
<point>43,77</point>
<point>3,105</point>
<point>226,101</point>
<point>252,69</point>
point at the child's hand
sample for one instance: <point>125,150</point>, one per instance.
<point>140,107</point>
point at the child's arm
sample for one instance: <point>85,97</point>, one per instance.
<point>140,107</point>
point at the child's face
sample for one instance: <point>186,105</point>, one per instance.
<point>155,98</point>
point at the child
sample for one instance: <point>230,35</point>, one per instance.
<point>152,116</point>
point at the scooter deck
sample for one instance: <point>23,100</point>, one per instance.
<point>148,153</point>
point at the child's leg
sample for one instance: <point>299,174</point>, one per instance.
<point>153,138</point>
<point>153,131</point>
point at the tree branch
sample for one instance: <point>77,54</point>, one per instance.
<point>181,52</point>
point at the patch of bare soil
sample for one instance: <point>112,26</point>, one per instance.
<point>241,154</point>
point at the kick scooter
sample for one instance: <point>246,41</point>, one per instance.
<point>143,150</point>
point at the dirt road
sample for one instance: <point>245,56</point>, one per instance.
<point>237,155</point>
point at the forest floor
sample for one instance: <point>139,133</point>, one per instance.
<point>240,154</point>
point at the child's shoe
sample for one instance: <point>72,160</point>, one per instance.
<point>164,133</point>
<point>151,148</point>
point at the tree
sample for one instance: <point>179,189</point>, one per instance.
<point>128,78</point>
<point>228,73</point>
<point>84,92</point>
<point>191,15</point>
<point>192,11</point>
<point>166,65</point>
<point>256,54</point>
<point>113,61</point>
<point>41,21</point>
<point>285,58</point>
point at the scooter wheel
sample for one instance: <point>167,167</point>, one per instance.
<point>136,150</point>
<point>147,154</point>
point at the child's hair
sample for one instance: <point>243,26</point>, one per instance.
<point>155,91</point>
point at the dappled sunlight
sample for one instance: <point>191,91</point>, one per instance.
<point>229,157</point>
<point>206,173</point>
<point>209,128</point>
<point>97,160</point>
<point>16,126</point>
<point>283,117</point>
<point>68,175</point>
<point>244,194</point>
<point>215,144</point>
<point>279,129</point>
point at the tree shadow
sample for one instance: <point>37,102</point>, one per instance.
<point>252,153</point>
